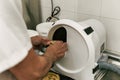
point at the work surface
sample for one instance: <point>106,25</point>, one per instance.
<point>111,76</point>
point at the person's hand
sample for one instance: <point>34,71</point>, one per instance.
<point>39,41</point>
<point>56,50</point>
<point>33,67</point>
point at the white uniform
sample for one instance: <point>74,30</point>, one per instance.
<point>14,40</point>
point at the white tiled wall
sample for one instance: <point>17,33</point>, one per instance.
<point>113,33</point>
<point>107,11</point>
<point>91,7</point>
<point>67,11</point>
<point>111,9</point>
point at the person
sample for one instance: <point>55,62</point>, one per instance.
<point>17,49</point>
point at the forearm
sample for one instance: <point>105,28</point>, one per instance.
<point>46,64</point>
<point>33,67</point>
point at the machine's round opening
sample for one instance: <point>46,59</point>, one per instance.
<point>60,34</point>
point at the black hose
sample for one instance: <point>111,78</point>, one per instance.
<point>54,12</point>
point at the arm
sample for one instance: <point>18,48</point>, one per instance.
<point>32,67</point>
<point>35,67</point>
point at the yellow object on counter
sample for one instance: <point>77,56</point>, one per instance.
<point>51,76</point>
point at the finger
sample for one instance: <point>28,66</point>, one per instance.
<point>45,41</point>
<point>61,55</point>
<point>64,45</point>
<point>36,40</point>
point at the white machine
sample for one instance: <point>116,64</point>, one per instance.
<point>85,40</point>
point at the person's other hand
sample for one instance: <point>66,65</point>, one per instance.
<point>56,50</point>
<point>39,41</point>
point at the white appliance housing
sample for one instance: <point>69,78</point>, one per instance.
<point>85,41</point>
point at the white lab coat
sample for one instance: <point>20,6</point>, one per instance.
<point>14,40</point>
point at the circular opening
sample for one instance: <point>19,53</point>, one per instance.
<point>60,34</point>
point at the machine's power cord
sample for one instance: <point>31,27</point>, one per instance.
<point>54,11</point>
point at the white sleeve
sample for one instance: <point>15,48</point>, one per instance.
<point>14,40</point>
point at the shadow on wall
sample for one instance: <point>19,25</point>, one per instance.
<point>31,13</point>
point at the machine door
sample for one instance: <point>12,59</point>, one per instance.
<point>80,47</point>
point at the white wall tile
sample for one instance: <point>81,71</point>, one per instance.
<point>91,7</point>
<point>113,33</point>
<point>46,12</point>
<point>67,15</point>
<point>66,5</point>
<point>111,8</point>
<point>67,8</point>
<point>81,17</point>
